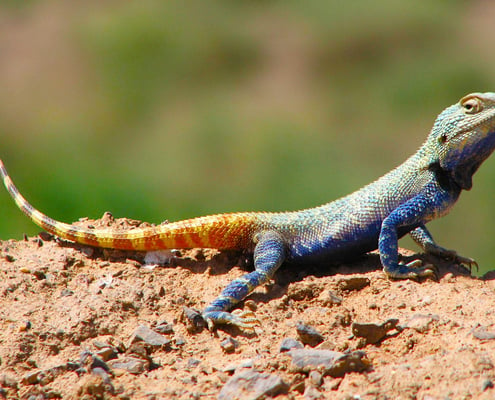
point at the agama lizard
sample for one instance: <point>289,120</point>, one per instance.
<point>402,201</point>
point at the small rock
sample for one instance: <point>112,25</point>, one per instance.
<point>134,263</point>
<point>31,378</point>
<point>249,384</point>
<point>88,251</point>
<point>246,363</point>
<point>193,362</point>
<point>312,393</point>
<point>289,344</point>
<point>90,361</point>
<point>328,298</point>
<point>315,378</point>
<point>486,384</point>
<point>309,335</point>
<point>332,363</point>
<point>343,320</point>
<point>133,365</point>
<point>8,381</point>
<point>229,345</point>
<point>25,325</point>
<point>351,283</point>
<point>66,293</point>
<point>107,353</point>
<point>483,334</point>
<point>373,333</point>
<point>421,323</point>
<point>148,336</point>
<point>164,327</point>
<point>39,274</point>
<point>158,257</point>
<point>105,376</point>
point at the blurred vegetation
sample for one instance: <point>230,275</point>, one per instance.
<point>167,110</point>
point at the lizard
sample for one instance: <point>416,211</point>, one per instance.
<point>401,202</point>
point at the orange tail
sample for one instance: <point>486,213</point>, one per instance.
<point>223,231</point>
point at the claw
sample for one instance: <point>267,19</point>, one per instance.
<point>465,262</point>
<point>244,319</point>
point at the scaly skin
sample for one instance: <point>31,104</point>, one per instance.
<point>424,187</point>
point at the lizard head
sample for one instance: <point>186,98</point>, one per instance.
<point>463,136</point>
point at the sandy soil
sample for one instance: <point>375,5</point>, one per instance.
<point>78,322</point>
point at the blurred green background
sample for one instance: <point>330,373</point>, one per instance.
<point>161,110</point>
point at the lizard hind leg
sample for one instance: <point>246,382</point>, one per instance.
<point>269,253</point>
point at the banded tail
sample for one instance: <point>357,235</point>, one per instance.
<point>223,231</point>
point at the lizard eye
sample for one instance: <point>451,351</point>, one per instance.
<point>472,105</point>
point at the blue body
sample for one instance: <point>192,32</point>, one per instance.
<point>402,201</point>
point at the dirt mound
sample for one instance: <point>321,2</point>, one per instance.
<point>79,322</point>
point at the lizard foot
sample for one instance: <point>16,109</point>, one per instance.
<point>466,263</point>
<point>412,270</point>
<point>244,319</point>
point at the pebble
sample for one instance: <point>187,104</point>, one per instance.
<point>31,378</point>
<point>164,328</point>
<point>90,361</point>
<point>249,384</point>
<point>133,365</point>
<point>107,353</point>
<point>311,393</point>
<point>289,344</point>
<point>229,345</point>
<point>309,335</point>
<point>328,298</point>
<point>193,362</point>
<point>45,376</point>
<point>353,283</point>
<point>148,336</point>
<point>332,363</point>
<point>482,334</point>
<point>8,381</point>
<point>315,378</point>
<point>246,363</point>
<point>373,333</point>
<point>158,257</point>
<point>24,326</point>
<point>421,323</point>
<point>66,293</point>
<point>486,384</point>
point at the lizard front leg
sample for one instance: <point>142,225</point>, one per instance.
<point>423,238</point>
<point>406,214</point>
<point>269,253</point>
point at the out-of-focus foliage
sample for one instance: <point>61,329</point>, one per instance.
<point>165,110</point>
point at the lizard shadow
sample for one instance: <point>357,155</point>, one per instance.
<point>216,262</point>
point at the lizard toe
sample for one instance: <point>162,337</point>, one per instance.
<point>243,319</point>
<point>412,270</point>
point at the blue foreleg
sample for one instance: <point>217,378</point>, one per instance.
<point>411,213</point>
<point>269,253</point>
